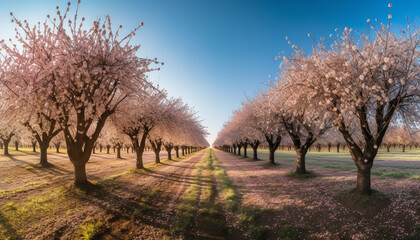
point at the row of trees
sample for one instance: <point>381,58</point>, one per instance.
<point>60,77</point>
<point>351,89</point>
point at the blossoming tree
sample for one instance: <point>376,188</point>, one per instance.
<point>83,75</point>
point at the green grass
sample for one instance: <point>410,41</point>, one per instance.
<point>91,229</point>
<point>15,216</point>
<point>231,195</point>
<point>343,161</point>
<point>145,204</point>
<point>249,215</point>
<point>188,208</point>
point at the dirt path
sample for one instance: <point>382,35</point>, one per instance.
<point>309,207</point>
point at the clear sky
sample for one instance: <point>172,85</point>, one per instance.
<point>216,52</point>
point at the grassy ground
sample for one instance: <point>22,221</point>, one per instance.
<point>114,204</point>
<point>394,164</point>
<point>276,203</point>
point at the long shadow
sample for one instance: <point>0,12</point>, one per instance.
<point>7,229</point>
<point>123,209</point>
<point>51,168</point>
<point>174,177</point>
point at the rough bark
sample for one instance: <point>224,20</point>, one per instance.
<point>43,148</point>
<point>363,180</point>
<point>300,166</point>
<point>80,177</point>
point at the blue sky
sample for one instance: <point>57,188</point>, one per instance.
<point>218,51</point>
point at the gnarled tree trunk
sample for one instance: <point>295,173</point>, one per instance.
<point>273,144</point>
<point>43,148</point>
<point>300,166</point>
<point>177,151</point>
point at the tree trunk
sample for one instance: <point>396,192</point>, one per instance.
<point>363,180</point>
<point>80,178</point>
<point>338,148</point>
<point>93,150</point>
<point>57,146</point>
<point>182,151</point>
<point>245,147</point>
<point>139,159</point>
<point>44,150</point>
<point>100,148</point>
<point>107,149</point>
<point>177,152</point>
<point>402,149</point>
<point>169,151</point>
<point>140,149</point>
<point>239,150</point>
<point>34,147</point>
<point>300,167</point>
<point>387,148</point>
<point>329,147</point>
<point>271,157</point>
<point>6,147</point>
<point>17,145</point>
<point>234,150</point>
<point>118,152</point>
<point>157,157</point>
<point>255,156</point>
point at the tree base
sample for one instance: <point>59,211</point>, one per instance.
<point>301,175</point>
<point>369,205</point>
<point>86,186</point>
<point>46,164</point>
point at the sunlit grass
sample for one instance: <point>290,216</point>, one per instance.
<point>343,161</point>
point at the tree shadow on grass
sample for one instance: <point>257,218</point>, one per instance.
<point>7,231</point>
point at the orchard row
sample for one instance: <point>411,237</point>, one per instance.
<point>84,86</point>
<point>358,89</point>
